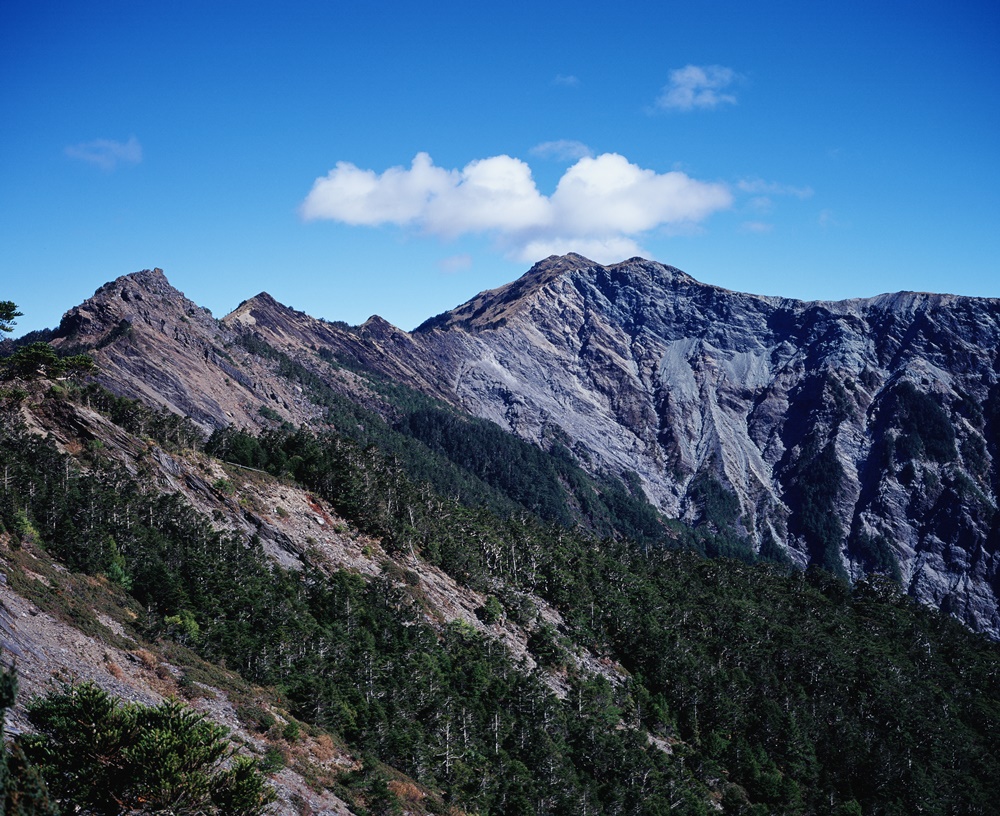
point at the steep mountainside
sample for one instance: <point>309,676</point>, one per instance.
<point>397,606</point>
<point>859,435</point>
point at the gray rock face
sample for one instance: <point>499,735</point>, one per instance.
<point>861,435</point>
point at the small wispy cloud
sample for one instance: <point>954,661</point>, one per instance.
<point>566,81</point>
<point>762,194</point>
<point>107,153</point>
<point>455,263</point>
<point>561,150</point>
<point>600,207</point>
<point>772,188</point>
<point>697,86</point>
<point>756,227</point>
<point>828,219</point>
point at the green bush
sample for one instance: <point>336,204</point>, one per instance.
<point>98,755</point>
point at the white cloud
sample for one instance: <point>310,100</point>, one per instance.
<point>561,150</point>
<point>697,86</point>
<point>566,80</point>
<point>107,153</point>
<point>761,200</point>
<point>599,207</point>
<point>397,196</point>
<point>608,194</point>
<point>496,194</point>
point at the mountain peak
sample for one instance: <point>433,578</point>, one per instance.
<point>248,311</point>
<point>492,308</point>
<point>149,281</point>
<point>145,296</point>
<point>558,264</point>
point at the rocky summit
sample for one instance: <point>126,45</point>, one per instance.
<point>858,435</point>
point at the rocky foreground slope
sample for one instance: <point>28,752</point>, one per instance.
<point>860,435</point>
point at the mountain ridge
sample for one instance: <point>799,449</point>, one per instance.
<point>810,414</point>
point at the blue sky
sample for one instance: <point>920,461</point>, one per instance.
<point>398,158</point>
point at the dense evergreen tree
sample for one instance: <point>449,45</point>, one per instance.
<point>22,791</point>
<point>100,756</point>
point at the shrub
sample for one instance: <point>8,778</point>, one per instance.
<point>100,756</point>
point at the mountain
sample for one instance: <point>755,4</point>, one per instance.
<point>860,435</point>
<point>326,539</point>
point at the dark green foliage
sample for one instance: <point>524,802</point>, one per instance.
<point>38,335</point>
<point>33,357</point>
<point>876,554</point>
<point>544,645</point>
<point>719,507</point>
<point>796,686</point>
<point>123,329</point>
<point>776,693</point>
<point>22,791</point>
<point>521,471</point>
<point>474,460</point>
<point>371,784</point>
<point>104,757</point>
<point>814,485</point>
<point>8,315</point>
<point>925,430</point>
<point>718,517</point>
<point>170,430</point>
<point>772,552</point>
<point>30,361</point>
<point>490,612</point>
<point>974,454</point>
<point>40,360</point>
<point>549,484</point>
<point>991,432</point>
<point>269,413</point>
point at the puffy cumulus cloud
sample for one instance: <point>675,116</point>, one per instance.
<point>561,150</point>
<point>608,195</point>
<point>107,153</point>
<point>697,86</point>
<point>490,195</point>
<point>360,197</point>
<point>600,206</point>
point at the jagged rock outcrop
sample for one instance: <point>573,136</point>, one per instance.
<point>861,435</point>
<point>152,343</point>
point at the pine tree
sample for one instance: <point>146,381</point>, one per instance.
<point>101,756</point>
<point>8,315</point>
<point>22,791</point>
